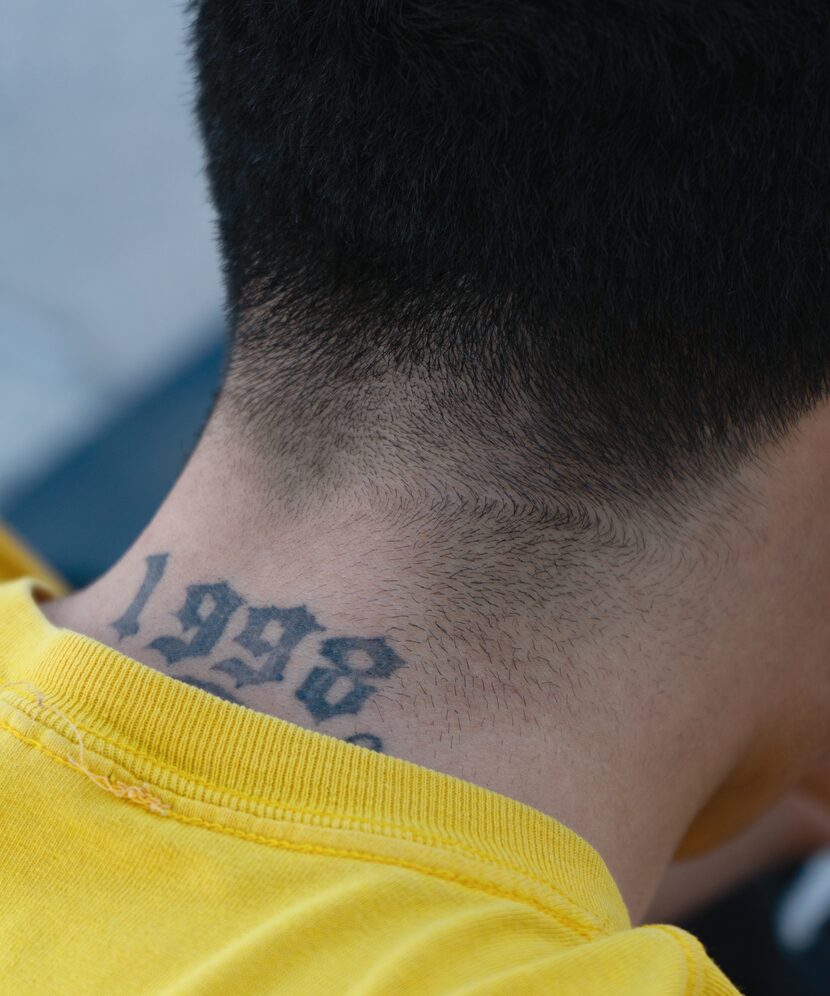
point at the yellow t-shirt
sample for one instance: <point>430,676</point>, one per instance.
<point>197,846</point>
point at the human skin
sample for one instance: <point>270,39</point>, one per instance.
<point>699,700</point>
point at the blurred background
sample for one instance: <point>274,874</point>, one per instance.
<point>111,347</point>
<point>110,297</point>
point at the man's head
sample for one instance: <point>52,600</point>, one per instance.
<point>542,289</point>
<point>568,258</point>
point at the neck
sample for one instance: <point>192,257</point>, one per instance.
<point>324,619</point>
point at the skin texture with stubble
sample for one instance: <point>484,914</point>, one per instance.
<point>697,696</point>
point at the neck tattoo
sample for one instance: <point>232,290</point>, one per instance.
<point>348,669</point>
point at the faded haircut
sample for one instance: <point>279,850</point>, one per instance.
<point>570,256</point>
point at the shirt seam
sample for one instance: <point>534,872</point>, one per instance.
<point>322,850</point>
<point>348,821</point>
<point>694,977</point>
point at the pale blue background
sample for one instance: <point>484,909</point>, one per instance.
<point>108,273</point>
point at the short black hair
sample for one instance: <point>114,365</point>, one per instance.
<point>612,214</point>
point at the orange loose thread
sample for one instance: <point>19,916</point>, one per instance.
<point>138,794</point>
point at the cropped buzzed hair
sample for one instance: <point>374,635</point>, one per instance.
<point>574,255</point>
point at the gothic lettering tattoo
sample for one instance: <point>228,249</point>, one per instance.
<point>209,624</point>
<point>127,625</point>
<point>341,686</point>
<point>367,740</point>
<point>296,623</point>
<point>320,690</point>
<point>209,686</point>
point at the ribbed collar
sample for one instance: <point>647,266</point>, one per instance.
<point>258,757</point>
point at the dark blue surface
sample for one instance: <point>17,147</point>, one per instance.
<point>83,513</point>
